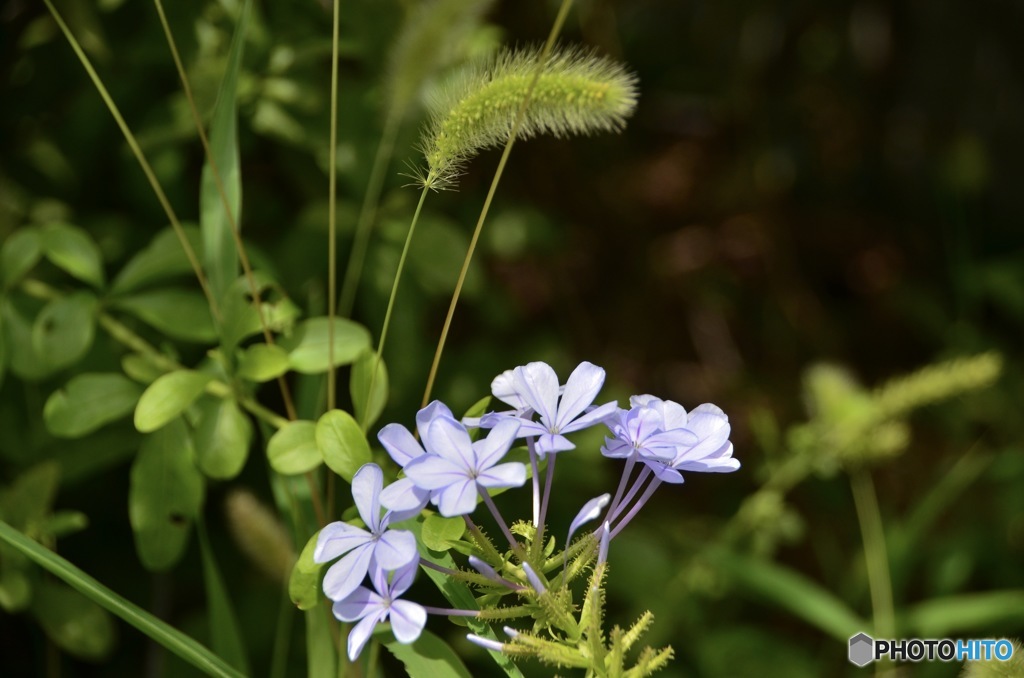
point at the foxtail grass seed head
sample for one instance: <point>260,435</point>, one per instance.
<point>260,535</point>
<point>575,93</point>
<point>994,668</point>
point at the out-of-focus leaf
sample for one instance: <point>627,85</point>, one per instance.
<point>30,497</point>
<point>262,362</point>
<point>77,625</point>
<point>15,589</point>
<point>240,318</point>
<point>222,436</point>
<point>220,260</point>
<point>20,252</point>
<point>64,330</point>
<point>165,496</point>
<point>368,406</point>
<point>304,582</point>
<point>73,250</point>
<point>952,615</point>
<point>25,362</point>
<point>428,657</point>
<point>307,346</point>
<point>792,591</point>
<point>225,636</point>
<point>163,633</point>
<point>3,351</point>
<point>180,314</point>
<point>63,523</point>
<point>167,397</point>
<point>321,655</point>
<point>88,402</point>
<point>342,443</point>
<point>439,532</point>
<point>164,258</point>
<point>292,450</point>
<point>139,368</point>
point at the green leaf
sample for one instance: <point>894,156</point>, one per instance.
<point>428,657</point>
<point>73,250</point>
<point>63,331</point>
<point>368,406</point>
<point>791,591</point>
<point>240,318</point>
<point>307,346</point>
<point>953,615</point>
<point>19,254</point>
<point>15,589</point>
<point>222,435</point>
<point>162,259</point>
<point>180,314</point>
<point>342,443</point>
<point>165,495</point>
<point>30,497</point>
<point>77,625</point>
<point>25,362</point>
<point>167,397</point>
<point>3,350</point>
<point>225,636</point>
<point>160,631</point>
<point>220,260</point>
<point>88,402</point>
<point>438,532</point>
<point>321,655</point>
<point>304,582</point>
<point>140,368</point>
<point>292,449</point>
<point>63,523</point>
<point>262,362</point>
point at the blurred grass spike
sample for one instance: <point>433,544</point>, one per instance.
<point>993,668</point>
<point>576,93</point>
<point>937,382</point>
<point>260,535</point>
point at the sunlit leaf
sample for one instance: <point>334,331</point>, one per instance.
<point>304,582</point>
<point>308,344</point>
<point>428,657</point>
<point>73,250</point>
<point>88,402</point>
<point>342,443</point>
<point>222,436</point>
<point>167,397</point>
<point>180,314</point>
<point>165,495</point>
<point>262,362</point>
<point>292,449</point>
<point>439,532</point>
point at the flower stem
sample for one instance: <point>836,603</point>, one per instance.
<point>626,471</point>
<point>531,446</point>
<point>641,477</point>
<point>451,612</point>
<point>655,482</point>
<point>501,521</point>
<point>548,480</point>
<point>332,216</point>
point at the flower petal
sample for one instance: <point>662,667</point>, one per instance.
<point>432,472</point>
<point>395,548</point>
<point>552,442</point>
<point>336,539</point>
<point>449,439</point>
<point>366,487</point>
<point>357,604</point>
<point>361,632</point>
<point>504,389</point>
<point>598,415</point>
<point>591,510</point>
<point>511,474</point>
<point>537,384</point>
<point>457,499</point>
<point>431,412</point>
<point>402,579</point>
<point>583,386</point>
<point>407,620</point>
<point>491,449</point>
<point>347,574</point>
<point>400,444</point>
<point>404,499</point>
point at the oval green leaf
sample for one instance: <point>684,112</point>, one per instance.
<point>292,450</point>
<point>163,259</point>
<point>88,402</point>
<point>308,344</point>
<point>439,532</point>
<point>342,443</point>
<point>304,582</point>
<point>63,331</point>
<point>180,314</point>
<point>366,404</point>
<point>73,250</point>
<point>167,397</point>
<point>74,623</point>
<point>165,495</point>
<point>428,657</point>
<point>262,362</point>
<point>19,254</point>
<point>222,437</point>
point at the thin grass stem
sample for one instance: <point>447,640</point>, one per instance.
<point>332,217</point>
<point>875,553</point>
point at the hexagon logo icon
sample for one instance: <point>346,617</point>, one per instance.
<point>862,649</point>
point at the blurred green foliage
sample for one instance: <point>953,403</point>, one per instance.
<point>803,184</point>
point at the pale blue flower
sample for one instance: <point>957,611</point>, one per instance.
<point>389,549</point>
<point>456,468</point>
<point>652,429</point>
<point>711,453</point>
<point>370,608</point>
<point>403,497</point>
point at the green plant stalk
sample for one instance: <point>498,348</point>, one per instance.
<point>563,11</point>
<point>168,636</point>
<point>236,233</point>
<point>367,214</point>
<point>391,299</point>
<point>140,157</point>
<point>332,217</point>
<point>875,553</point>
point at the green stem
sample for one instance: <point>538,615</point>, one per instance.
<point>541,60</point>
<point>875,553</point>
<point>332,217</point>
<point>161,632</point>
<point>143,163</point>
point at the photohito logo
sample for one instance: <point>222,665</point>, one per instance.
<point>864,649</point>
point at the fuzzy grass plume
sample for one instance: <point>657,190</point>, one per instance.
<point>576,93</point>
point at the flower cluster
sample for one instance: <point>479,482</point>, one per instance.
<point>449,470</point>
